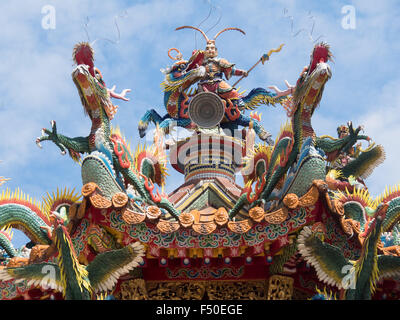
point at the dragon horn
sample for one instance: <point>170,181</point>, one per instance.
<point>190,27</point>
<point>227,29</point>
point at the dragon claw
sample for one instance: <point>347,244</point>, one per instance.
<point>53,126</point>
<point>142,127</point>
<point>266,136</point>
<point>38,143</point>
<point>142,132</point>
<point>289,85</point>
<point>350,125</point>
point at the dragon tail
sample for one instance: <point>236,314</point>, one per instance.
<point>259,96</point>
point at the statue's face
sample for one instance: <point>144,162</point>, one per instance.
<point>211,50</point>
<point>343,132</point>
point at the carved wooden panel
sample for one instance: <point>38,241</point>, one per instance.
<point>280,288</point>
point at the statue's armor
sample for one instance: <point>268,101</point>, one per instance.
<point>214,69</point>
<point>213,81</point>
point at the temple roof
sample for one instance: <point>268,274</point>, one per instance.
<point>205,195</point>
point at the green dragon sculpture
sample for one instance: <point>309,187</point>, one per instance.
<point>299,156</point>
<point>296,161</point>
<point>75,281</point>
<point>109,163</point>
<point>358,279</point>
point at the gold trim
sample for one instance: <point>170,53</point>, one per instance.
<point>279,288</point>
<point>82,209</point>
<point>134,289</point>
<point>89,188</point>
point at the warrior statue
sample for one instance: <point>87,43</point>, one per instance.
<point>208,71</point>
<point>215,68</point>
<point>348,155</point>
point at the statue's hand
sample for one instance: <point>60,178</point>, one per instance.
<point>52,136</point>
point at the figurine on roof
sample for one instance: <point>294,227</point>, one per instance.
<point>351,165</point>
<point>346,155</point>
<point>215,68</point>
<point>208,71</point>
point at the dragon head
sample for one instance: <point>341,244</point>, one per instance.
<point>375,224</point>
<point>89,81</point>
<point>57,223</point>
<point>57,219</point>
<point>312,80</point>
<point>320,54</point>
<point>83,54</point>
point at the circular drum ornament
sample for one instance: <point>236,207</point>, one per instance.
<point>206,110</point>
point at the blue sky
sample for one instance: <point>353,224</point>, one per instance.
<point>37,87</point>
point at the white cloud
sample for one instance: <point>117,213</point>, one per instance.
<point>382,125</point>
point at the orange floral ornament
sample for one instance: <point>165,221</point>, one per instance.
<point>153,212</point>
<point>257,214</point>
<point>291,201</point>
<point>186,219</point>
<point>221,217</point>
